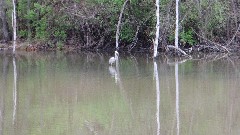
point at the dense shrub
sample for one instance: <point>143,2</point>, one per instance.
<point>91,24</point>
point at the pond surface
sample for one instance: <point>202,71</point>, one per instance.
<point>56,93</point>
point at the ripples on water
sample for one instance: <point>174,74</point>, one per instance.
<point>79,94</point>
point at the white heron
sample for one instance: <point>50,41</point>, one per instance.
<point>113,60</point>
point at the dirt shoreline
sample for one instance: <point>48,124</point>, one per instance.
<point>203,48</point>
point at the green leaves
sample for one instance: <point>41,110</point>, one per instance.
<point>38,18</point>
<point>60,34</point>
<point>186,37</point>
<point>127,33</point>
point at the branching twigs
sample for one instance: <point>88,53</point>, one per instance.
<point>214,43</point>
<point>202,47</point>
<point>233,36</point>
<point>119,23</point>
<point>134,40</point>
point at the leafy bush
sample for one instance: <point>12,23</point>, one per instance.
<point>187,37</point>
<point>38,16</point>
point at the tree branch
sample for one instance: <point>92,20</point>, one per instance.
<point>178,49</point>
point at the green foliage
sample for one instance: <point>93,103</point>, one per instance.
<point>22,33</point>
<point>171,37</point>
<point>41,29</point>
<point>59,45</point>
<point>61,25</point>
<point>218,18</point>
<point>114,2</point>
<point>38,16</point>
<point>60,35</point>
<point>50,20</point>
<point>206,15</point>
<point>187,37</point>
<point>127,33</point>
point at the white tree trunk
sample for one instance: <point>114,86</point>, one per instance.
<point>176,29</point>
<point>158,96</point>
<point>157,29</point>
<point>119,23</point>
<point>14,25</point>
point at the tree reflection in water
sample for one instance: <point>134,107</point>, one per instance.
<point>177,96</point>
<point>156,77</point>
<point>14,89</point>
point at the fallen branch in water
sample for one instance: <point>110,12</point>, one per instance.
<point>214,43</point>
<point>178,49</point>
<point>199,48</point>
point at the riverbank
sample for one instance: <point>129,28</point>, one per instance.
<point>168,49</point>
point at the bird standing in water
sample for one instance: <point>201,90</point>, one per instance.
<point>113,60</point>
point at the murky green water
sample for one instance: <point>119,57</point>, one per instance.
<point>79,94</point>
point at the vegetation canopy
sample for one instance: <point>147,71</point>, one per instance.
<point>91,24</point>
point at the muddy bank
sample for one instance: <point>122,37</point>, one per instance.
<point>168,49</point>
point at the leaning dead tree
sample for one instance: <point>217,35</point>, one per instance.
<point>14,25</point>
<point>157,29</point>
<point>116,58</point>
<point>119,23</point>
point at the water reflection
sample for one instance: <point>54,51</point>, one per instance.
<point>5,66</point>
<point>176,71</point>
<point>114,71</point>
<point>67,93</point>
<point>157,95</point>
<point>177,97</point>
<point>14,89</point>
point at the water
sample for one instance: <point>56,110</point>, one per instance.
<point>56,93</point>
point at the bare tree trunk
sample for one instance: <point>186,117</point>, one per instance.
<point>157,29</point>
<point>14,25</point>
<point>119,23</point>
<point>176,29</point>
<point>4,20</point>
